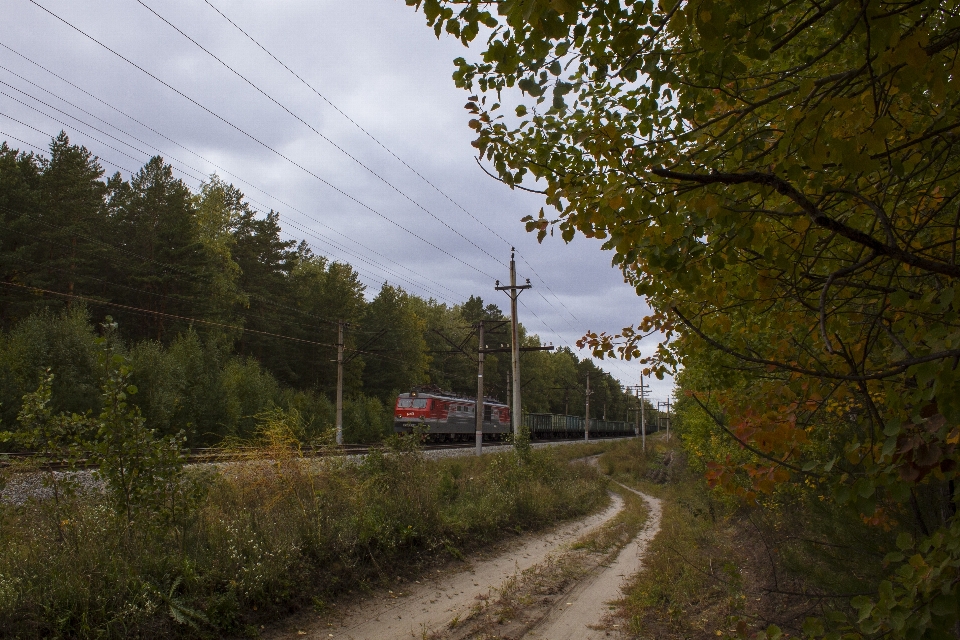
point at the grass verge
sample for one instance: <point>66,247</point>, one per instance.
<point>262,539</point>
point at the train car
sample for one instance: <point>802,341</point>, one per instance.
<point>548,426</point>
<point>449,417</point>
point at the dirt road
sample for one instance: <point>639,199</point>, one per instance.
<point>580,616</point>
<point>426,609</point>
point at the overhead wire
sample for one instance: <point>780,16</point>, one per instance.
<point>289,159</point>
<point>216,166</point>
<point>392,153</point>
<point>147,259</point>
<point>189,319</point>
<point>143,291</point>
<point>325,99</point>
<point>260,142</point>
<point>186,273</point>
<point>199,178</point>
<point>312,128</point>
<point>41,150</point>
<point>85,276</point>
<point>385,270</point>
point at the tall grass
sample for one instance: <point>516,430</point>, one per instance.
<point>723,568</point>
<point>261,538</point>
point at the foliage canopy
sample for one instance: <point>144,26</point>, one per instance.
<point>779,178</point>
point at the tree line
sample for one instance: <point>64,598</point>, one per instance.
<point>219,316</point>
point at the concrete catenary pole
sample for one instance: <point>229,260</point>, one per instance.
<point>637,429</point>
<point>513,290</point>
<point>586,422</point>
<point>515,351</point>
<point>668,418</point>
<point>339,382</point>
<point>479,408</point>
<point>643,419</point>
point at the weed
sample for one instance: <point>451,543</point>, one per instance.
<point>274,533</point>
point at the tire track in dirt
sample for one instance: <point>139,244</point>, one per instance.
<point>432,606</point>
<point>583,613</point>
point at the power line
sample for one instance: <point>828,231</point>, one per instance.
<point>194,153</point>
<point>199,179</point>
<point>189,319</point>
<point>312,128</point>
<point>260,142</point>
<point>540,320</point>
<point>165,265</point>
<point>288,159</point>
<point>388,150</point>
<point>82,110</point>
<point>357,256</point>
<point>41,150</point>
<point>20,122</point>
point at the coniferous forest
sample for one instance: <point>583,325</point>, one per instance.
<point>220,318</point>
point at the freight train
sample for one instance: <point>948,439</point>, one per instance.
<point>448,417</point>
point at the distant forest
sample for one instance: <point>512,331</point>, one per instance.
<point>219,318</point>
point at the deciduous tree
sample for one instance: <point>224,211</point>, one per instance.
<point>780,180</point>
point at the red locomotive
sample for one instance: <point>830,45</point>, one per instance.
<point>448,416</point>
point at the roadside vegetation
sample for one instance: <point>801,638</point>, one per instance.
<point>724,568</point>
<point>159,550</point>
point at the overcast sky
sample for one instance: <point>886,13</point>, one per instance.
<point>380,65</point>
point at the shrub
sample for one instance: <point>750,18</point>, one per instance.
<point>267,536</point>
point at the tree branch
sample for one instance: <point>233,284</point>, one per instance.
<point>512,186</point>
<point>896,368</point>
<point>816,216</point>
<point>749,447</point>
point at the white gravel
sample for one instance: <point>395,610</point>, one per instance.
<point>40,484</point>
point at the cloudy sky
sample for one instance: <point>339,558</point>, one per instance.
<point>374,167</point>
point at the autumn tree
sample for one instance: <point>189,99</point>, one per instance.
<point>779,179</point>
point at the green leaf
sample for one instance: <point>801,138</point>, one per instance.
<point>945,605</point>
<point>813,627</point>
<point>904,542</point>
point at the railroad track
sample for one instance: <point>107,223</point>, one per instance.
<point>27,461</point>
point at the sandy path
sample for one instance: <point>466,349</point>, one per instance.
<point>581,612</point>
<point>431,606</point>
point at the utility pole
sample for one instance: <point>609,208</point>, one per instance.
<point>668,417</point>
<point>639,408</point>
<point>643,419</point>
<point>586,424</point>
<point>480,392</point>
<point>340,324</point>
<point>514,293</point>
<point>482,350</point>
